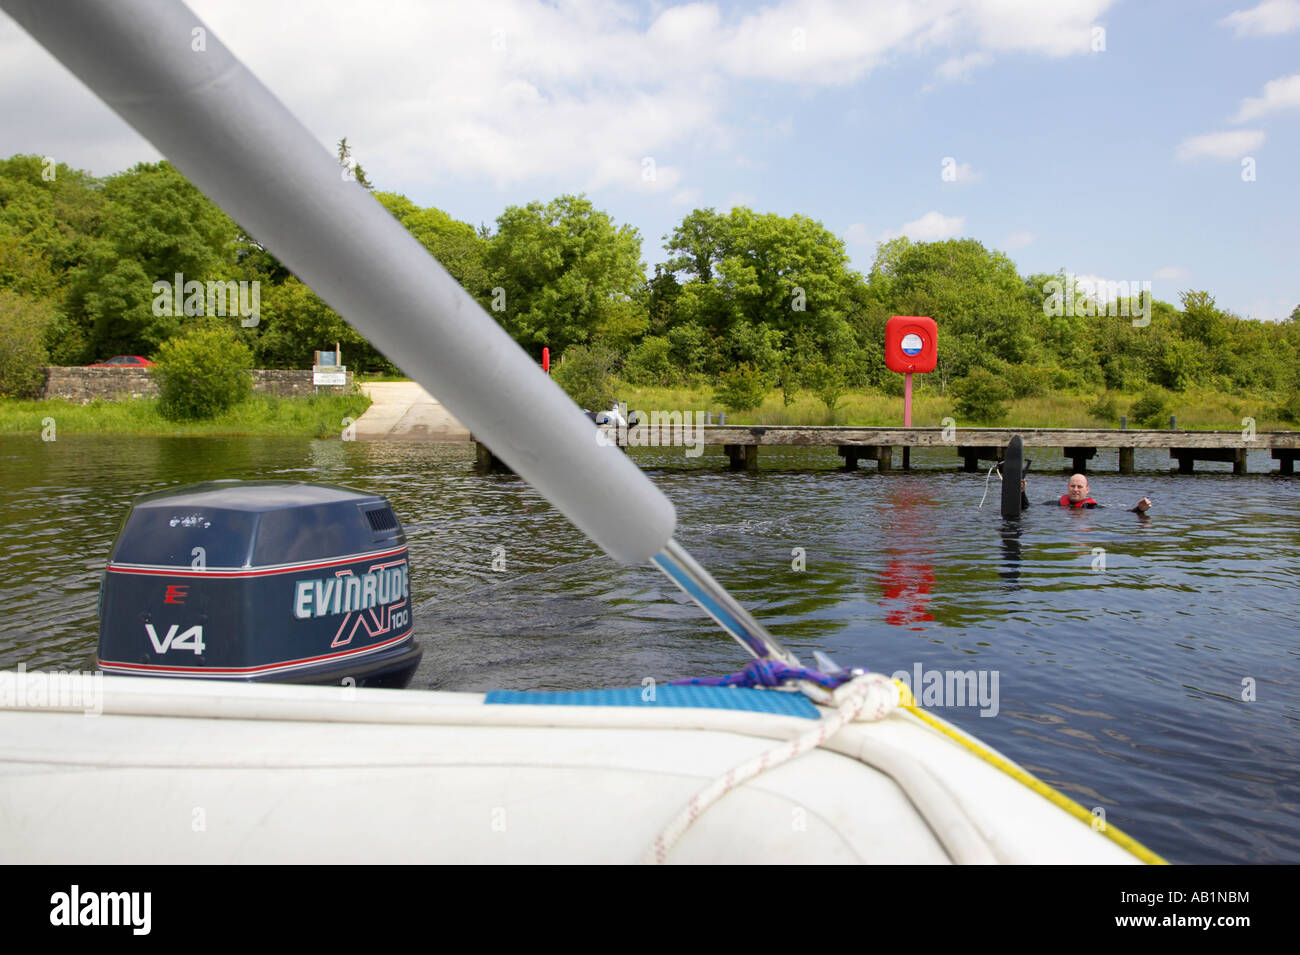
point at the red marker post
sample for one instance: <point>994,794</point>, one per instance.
<point>546,360</point>
<point>911,345</point>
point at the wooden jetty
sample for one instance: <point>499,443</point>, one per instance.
<point>972,445</point>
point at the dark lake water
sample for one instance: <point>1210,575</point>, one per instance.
<point>1127,652</point>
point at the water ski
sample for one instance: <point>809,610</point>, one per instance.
<point>1013,471</point>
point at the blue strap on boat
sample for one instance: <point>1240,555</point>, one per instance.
<point>703,696</point>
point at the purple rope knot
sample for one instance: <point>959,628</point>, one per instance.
<point>772,673</point>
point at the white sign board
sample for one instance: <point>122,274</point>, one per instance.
<point>329,375</point>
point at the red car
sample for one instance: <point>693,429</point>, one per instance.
<point>123,361</point>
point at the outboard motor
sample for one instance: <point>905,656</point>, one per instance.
<point>277,581</point>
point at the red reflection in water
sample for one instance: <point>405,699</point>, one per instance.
<point>905,586</point>
<point>906,582</point>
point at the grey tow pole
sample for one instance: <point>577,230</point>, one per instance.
<point>230,136</point>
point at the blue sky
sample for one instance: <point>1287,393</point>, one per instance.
<point>1106,137</point>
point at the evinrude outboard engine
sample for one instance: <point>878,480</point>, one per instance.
<point>277,581</point>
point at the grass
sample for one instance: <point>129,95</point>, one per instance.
<point>1195,410</point>
<point>316,416</point>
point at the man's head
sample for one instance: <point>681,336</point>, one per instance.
<point>1078,489</point>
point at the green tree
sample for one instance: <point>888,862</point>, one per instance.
<point>622,324</point>
<point>1202,321</point>
<point>50,218</point>
<point>455,244</point>
<point>295,322</point>
<point>156,225</point>
<point>565,269</point>
<point>347,162</point>
<point>699,243</point>
<point>22,268</point>
<point>50,215</point>
<point>22,347</point>
<point>757,283</point>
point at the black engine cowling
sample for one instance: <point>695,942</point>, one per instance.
<point>278,581</point>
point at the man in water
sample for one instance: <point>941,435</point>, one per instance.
<point>1076,495</point>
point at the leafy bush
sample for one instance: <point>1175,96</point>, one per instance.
<point>1181,363</point>
<point>741,389</point>
<point>203,374</point>
<point>980,397</point>
<point>893,384</point>
<point>1104,409</point>
<point>586,373</point>
<point>1289,409</point>
<point>651,362</point>
<point>692,348</point>
<point>22,348</point>
<point>828,382</point>
<point>1028,381</point>
<point>1061,379</point>
<point>1150,410</point>
<point>788,379</point>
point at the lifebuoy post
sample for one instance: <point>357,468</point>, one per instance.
<point>911,345</point>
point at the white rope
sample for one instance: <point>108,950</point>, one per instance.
<point>987,478</point>
<point>867,698</point>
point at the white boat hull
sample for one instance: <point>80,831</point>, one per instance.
<point>186,772</point>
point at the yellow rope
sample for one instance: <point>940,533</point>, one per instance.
<point>1037,785</point>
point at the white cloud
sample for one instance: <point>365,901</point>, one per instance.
<point>1270,17</point>
<point>1281,93</point>
<point>511,91</point>
<point>1107,290</point>
<point>858,234</point>
<point>1059,28</point>
<point>931,227</point>
<point>1174,273</point>
<point>1018,240</point>
<point>1229,145</point>
<point>961,67</point>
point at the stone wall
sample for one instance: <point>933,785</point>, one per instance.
<point>288,382</point>
<point>87,384</point>
<point>113,384</point>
